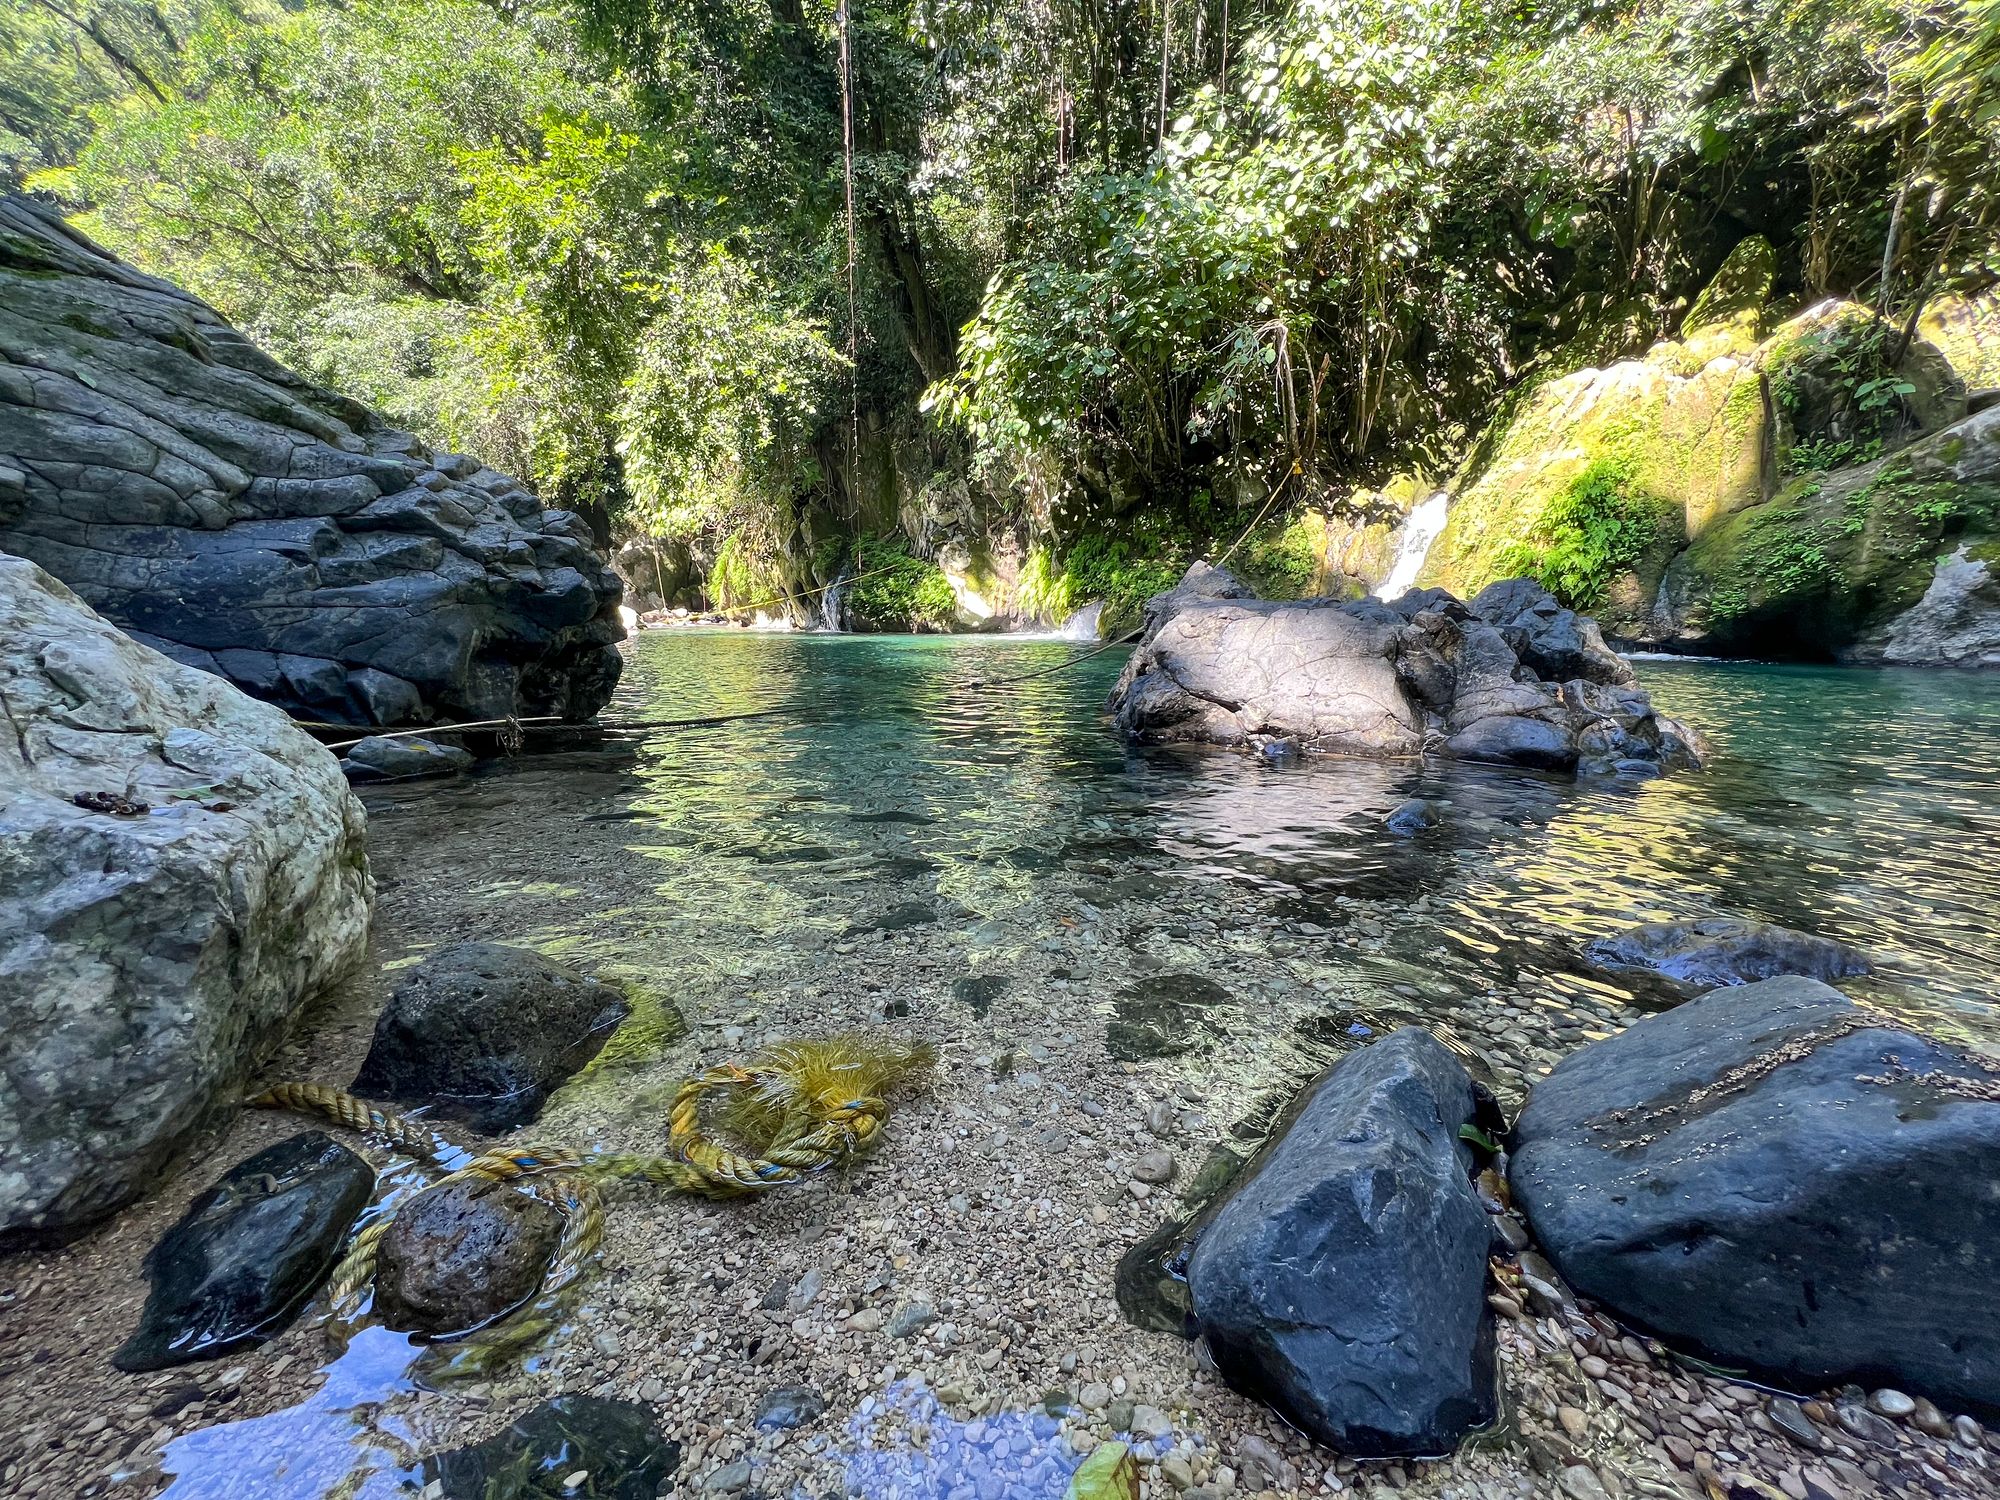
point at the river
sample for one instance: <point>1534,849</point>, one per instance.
<point>905,841</point>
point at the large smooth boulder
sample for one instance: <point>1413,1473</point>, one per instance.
<point>248,1253</point>
<point>155,941</point>
<point>1344,1279</point>
<point>1220,666</point>
<point>618,1445</point>
<point>1713,951</point>
<point>486,1032</point>
<point>461,1253</point>
<point>1784,1181</point>
<point>242,520</point>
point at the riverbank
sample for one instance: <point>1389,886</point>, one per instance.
<point>997,877</point>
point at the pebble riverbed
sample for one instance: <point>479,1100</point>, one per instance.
<point>1119,982</point>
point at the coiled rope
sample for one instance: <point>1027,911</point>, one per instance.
<point>809,1106</point>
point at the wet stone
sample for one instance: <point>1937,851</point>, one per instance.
<point>486,1032</point>
<point>911,1318</point>
<point>617,1444</point>
<point>1791,1420</point>
<point>1858,1421</point>
<point>461,1254</point>
<point>1412,817</point>
<point>249,1251</point>
<point>1162,1016</point>
<point>789,1406</point>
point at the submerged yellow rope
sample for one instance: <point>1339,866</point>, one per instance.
<point>812,1105</point>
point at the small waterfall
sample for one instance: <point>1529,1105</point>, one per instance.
<point>1082,626</point>
<point>829,599</point>
<point>1413,543</point>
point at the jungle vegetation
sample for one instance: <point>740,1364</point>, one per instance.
<point>783,282</point>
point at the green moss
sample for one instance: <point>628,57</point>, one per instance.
<point>893,590</point>
<point>1828,555</point>
<point>1116,570</point>
<point>1283,562</point>
<point>1598,527</point>
<point>1740,289</point>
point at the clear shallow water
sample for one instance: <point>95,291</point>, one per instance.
<point>986,865</point>
<point>1861,804</point>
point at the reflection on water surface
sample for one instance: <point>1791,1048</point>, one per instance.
<point>1863,804</point>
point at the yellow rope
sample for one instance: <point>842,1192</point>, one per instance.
<point>815,1105</point>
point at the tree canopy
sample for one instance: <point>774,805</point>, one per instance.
<point>1120,268</point>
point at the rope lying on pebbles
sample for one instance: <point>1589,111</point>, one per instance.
<point>807,1105</point>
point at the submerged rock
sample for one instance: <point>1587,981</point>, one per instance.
<point>249,1252</point>
<point>1366,678</point>
<point>461,1253</point>
<point>247,522</point>
<point>184,868</point>
<point>618,1445</point>
<point>1409,818</point>
<point>380,758</point>
<point>1782,1180</point>
<point>487,1032</point>
<point>1344,1279</point>
<point>1163,1015</point>
<point>1716,951</point>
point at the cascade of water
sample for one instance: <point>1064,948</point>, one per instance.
<point>1413,543</point>
<point>829,601</point>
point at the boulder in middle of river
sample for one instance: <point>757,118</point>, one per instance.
<point>248,1252</point>
<point>1344,1279</point>
<point>486,1032</point>
<point>1713,951</point>
<point>1783,1180</point>
<point>461,1253</point>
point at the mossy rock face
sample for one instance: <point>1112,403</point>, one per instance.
<point>1739,292</point>
<point>1637,492</point>
<point>1836,397</point>
<point>1834,559</point>
<point>1688,438</point>
<point>1966,330</point>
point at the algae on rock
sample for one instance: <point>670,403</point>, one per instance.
<point>1790,491</point>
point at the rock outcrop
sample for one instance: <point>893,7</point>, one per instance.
<point>1217,665</point>
<point>1712,951</point>
<point>486,1032</point>
<point>180,869</point>
<point>248,1253</point>
<point>1344,1279</point>
<point>1758,487</point>
<point>237,518</point>
<point>1781,1180</point>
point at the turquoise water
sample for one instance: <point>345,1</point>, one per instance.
<point>1861,804</point>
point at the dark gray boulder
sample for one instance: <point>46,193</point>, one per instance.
<point>249,1252</point>
<point>461,1253</point>
<point>1713,951</point>
<point>1413,816</point>
<point>240,519</point>
<point>404,758</point>
<point>1361,677</point>
<point>1344,1278</point>
<point>486,1032</point>
<point>1556,644</point>
<point>1783,1181</point>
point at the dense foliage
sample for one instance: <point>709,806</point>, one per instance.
<point>1131,279</point>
